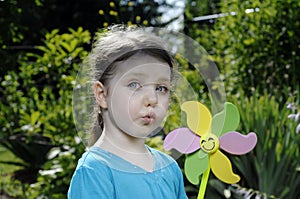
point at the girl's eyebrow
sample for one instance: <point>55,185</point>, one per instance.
<point>143,75</point>
<point>164,80</point>
<point>137,74</point>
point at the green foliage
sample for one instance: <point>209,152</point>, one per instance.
<point>272,169</point>
<point>24,23</point>
<point>36,110</point>
<point>257,52</point>
<point>255,49</point>
<point>145,13</point>
<point>199,30</point>
<point>37,84</point>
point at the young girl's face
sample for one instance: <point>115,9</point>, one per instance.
<point>138,95</point>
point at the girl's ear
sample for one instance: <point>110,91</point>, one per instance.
<point>100,94</point>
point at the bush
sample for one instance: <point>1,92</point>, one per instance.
<point>36,110</point>
<point>255,45</point>
<point>276,157</point>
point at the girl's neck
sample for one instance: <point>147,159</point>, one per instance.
<point>127,147</point>
<point>120,142</point>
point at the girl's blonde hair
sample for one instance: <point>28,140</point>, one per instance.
<point>115,44</point>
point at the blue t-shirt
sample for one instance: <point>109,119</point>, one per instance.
<point>101,174</point>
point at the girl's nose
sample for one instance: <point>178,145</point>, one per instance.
<point>150,97</point>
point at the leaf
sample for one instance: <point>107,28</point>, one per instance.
<point>51,47</point>
<point>66,46</point>
<point>249,41</point>
<point>73,44</point>
<point>34,117</point>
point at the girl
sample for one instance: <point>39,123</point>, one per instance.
<point>132,74</point>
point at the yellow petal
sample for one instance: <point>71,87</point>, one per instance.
<point>221,167</point>
<point>198,117</point>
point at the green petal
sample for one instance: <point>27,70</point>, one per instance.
<point>225,121</point>
<point>202,154</point>
<point>194,167</point>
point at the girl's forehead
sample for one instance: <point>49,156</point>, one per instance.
<point>144,67</point>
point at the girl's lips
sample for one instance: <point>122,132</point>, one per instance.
<point>149,118</point>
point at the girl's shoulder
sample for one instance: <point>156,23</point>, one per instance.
<point>160,154</point>
<point>162,160</point>
<point>94,157</point>
<point>105,161</point>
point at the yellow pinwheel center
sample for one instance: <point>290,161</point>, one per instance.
<point>209,143</point>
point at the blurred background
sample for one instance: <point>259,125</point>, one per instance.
<point>255,45</point>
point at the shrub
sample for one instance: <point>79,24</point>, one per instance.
<point>272,169</point>
<point>36,110</point>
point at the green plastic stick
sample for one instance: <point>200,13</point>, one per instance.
<point>203,184</point>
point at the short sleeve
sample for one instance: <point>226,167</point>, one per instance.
<point>86,183</point>
<point>181,194</point>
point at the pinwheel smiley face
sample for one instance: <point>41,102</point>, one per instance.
<point>209,135</point>
<point>209,143</point>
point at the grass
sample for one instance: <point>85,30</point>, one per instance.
<point>6,155</point>
<point>8,186</point>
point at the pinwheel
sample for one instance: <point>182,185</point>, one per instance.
<point>203,140</point>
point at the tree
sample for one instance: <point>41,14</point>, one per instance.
<point>255,46</point>
<point>24,23</point>
<point>36,111</point>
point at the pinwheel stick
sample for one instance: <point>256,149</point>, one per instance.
<point>203,183</point>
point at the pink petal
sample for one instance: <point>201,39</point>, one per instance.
<point>183,140</point>
<point>236,143</point>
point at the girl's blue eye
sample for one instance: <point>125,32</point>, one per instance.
<point>134,85</point>
<point>162,89</point>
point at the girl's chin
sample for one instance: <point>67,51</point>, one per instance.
<point>141,134</point>
<point>142,130</point>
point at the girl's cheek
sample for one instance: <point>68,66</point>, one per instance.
<point>165,102</point>
<point>133,107</point>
